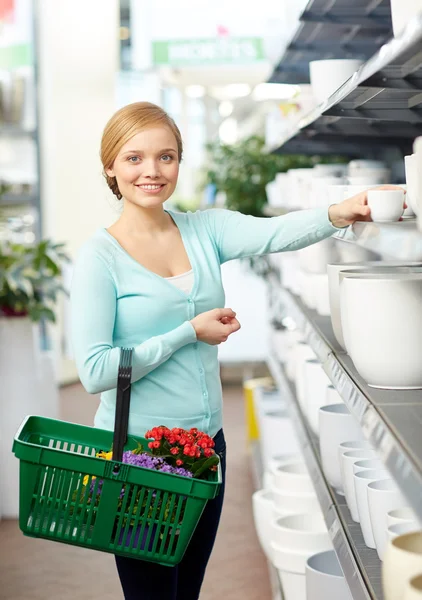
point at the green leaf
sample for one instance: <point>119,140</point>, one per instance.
<point>210,462</point>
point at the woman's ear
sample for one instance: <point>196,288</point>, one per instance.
<point>109,172</point>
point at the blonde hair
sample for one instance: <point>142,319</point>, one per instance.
<point>123,125</point>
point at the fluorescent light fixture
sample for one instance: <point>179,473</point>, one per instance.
<point>225,108</point>
<point>195,91</point>
<point>274,91</point>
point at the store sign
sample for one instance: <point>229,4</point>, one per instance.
<point>212,51</point>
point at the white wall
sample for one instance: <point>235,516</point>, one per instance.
<point>78,62</point>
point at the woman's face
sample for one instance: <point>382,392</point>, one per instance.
<point>147,167</point>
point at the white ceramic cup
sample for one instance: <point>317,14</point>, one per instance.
<point>325,579</point>
<point>362,479</point>
<point>368,464</point>
<point>400,515</point>
<point>347,461</point>
<point>386,205</point>
<point>383,496</point>
<point>293,504</point>
<point>328,75</point>
<point>336,425</point>
<point>262,507</point>
<point>401,528</point>
<point>301,532</point>
<point>402,561</point>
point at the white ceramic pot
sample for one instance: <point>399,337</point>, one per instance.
<point>383,496</point>
<point>413,590</point>
<point>316,385</point>
<point>314,259</point>
<point>305,532</point>
<point>328,75</point>
<point>401,528</point>
<point>368,464</point>
<point>350,445</point>
<point>386,348</point>
<point>294,585</point>
<point>357,166</point>
<point>386,205</point>
<point>262,507</point>
<point>361,480</point>
<point>402,561</point>
<point>347,461</point>
<point>352,253</point>
<point>277,435</point>
<point>336,425</point>
<point>334,280</point>
<point>403,11</point>
<point>293,478</point>
<point>286,503</point>
<point>400,515</point>
<point>325,579</point>
<point>412,182</point>
<point>289,560</point>
<point>303,352</point>
<point>307,289</point>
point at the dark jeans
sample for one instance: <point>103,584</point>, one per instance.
<point>143,580</point>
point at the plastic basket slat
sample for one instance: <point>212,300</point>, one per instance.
<point>55,458</point>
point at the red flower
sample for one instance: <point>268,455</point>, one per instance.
<point>156,444</point>
<point>148,435</point>
<point>193,431</point>
<point>176,431</point>
<point>187,449</point>
<point>179,462</point>
<point>183,440</point>
<point>175,450</point>
<point>192,452</point>
<point>151,445</point>
<point>208,452</point>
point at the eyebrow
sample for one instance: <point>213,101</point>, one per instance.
<point>160,152</point>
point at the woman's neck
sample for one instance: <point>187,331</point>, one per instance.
<point>136,220</point>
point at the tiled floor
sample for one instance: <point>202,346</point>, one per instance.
<point>38,570</point>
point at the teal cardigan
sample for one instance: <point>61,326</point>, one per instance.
<point>116,302</point>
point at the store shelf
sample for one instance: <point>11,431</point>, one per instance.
<point>390,419</point>
<point>18,200</point>
<point>379,106</point>
<point>361,565</point>
<point>334,30</point>
<point>401,240</point>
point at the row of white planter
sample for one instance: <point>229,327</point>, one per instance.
<point>28,386</point>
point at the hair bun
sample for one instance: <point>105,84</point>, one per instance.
<point>112,184</point>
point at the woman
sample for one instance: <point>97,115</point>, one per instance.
<point>152,282</point>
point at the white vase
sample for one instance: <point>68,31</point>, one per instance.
<point>28,387</point>
<point>386,346</point>
<point>325,579</point>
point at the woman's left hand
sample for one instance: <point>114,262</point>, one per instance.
<point>355,208</point>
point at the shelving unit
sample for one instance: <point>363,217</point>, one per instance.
<point>390,419</point>
<point>378,107</point>
<point>361,566</point>
<point>402,240</point>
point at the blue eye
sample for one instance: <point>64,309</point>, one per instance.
<point>167,157</point>
<point>133,159</point>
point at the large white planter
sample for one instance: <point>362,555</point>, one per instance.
<point>402,561</point>
<point>402,11</point>
<point>28,386</point>
<point>381,320</point>
<point>325,579</point>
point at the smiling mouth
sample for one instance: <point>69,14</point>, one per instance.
<point>151,187</point>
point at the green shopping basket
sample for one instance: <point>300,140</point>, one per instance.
<point>69,495</point>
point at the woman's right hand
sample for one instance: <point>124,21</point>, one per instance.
<point>215,326</point>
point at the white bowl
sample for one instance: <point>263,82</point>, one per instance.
<point>293,478</point>
<point>386,348</point>
<point>325,579</point>
<point>302,532</point>
<point>293,504</point>
<point>336,425</point>
<point>362,479</point>
<point>383,496</point>
<point>262,507</point>
<point>328,75</point>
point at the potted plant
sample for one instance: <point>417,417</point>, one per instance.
<point>30,281</point>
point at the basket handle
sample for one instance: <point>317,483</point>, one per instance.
<point>121,421</point>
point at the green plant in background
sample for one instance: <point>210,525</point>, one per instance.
<point>243,170</point>
<point>30,279</point>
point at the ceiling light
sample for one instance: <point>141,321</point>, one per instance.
<point>225,108</point>
<point>275,91</point>
<point>195,91</point>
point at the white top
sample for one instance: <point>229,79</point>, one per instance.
<point>184,281</point>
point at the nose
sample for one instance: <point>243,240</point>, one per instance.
<point>151,169</point>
